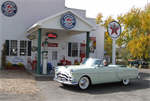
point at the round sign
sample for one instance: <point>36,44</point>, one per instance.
<point>68,21</point>
<point>9,8</point>
<point>114,29</point>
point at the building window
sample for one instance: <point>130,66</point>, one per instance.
<point>54,55</point>
<point>73,49</point>
<point>23,48</point>
<point>12,48</point>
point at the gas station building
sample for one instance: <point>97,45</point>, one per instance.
<point>46,31</point>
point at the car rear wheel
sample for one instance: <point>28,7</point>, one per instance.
<point>84,83</point>
<point>125,81</point>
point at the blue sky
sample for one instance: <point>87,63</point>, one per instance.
<point>106,7</point>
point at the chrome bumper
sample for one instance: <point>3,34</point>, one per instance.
<point>65,82</point>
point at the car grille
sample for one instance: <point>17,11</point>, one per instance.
<point>63,77</point>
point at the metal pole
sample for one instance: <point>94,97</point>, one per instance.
<point>114,52</point>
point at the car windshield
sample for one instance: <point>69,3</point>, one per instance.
<point>92,62</point>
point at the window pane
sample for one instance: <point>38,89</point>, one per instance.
<point>13,48</point>
<point>74,46</point>
<point>74,53</point>
<point>54,55</point>
<point>74,49</point>
<point>22,52</point>
<point>23,46</point>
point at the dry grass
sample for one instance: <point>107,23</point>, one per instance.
<point>17,82</point>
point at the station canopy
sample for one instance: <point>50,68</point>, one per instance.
<point>53,23</point>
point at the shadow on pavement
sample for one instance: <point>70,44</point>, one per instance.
<point>143,83</point>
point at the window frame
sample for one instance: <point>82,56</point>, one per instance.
<point>23,47</point>
<point>73,49</point>
<point>10,45</point>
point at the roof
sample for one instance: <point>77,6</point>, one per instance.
<point>53,22</point>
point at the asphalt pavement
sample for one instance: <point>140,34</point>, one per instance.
<point>137,90</point>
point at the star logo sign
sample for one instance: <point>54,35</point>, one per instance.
<point>114,29</point>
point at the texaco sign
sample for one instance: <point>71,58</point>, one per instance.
<point>114,29</point>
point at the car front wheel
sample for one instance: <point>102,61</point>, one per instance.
<point>84,83</point>
<point>125,81</point>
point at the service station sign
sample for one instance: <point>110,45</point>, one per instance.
<point>114,29</point>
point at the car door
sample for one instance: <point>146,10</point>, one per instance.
<point>106,74</point>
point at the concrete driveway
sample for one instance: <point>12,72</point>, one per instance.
<point>138,90</point>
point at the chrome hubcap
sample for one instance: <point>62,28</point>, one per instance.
<point>84,83</point>
<point>126,82</point>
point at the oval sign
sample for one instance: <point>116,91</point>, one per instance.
<point>9,8</point>
<point>114,29</point>
<point>68,21</point>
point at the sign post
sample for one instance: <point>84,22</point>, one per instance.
<point>114,52</point>
<point>114,30</point>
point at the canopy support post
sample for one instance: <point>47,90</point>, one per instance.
<point>87,44</point>
<point>39,52</point>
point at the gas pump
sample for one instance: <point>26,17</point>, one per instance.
<point>45,61</point>
<point>45,56</point>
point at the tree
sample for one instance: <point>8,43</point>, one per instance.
<point>99,18</point>
<point>135,37</point>
<point>136,32</point>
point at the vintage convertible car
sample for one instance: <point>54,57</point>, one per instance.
<point>92,71</point>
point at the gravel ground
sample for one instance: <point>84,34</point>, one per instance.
<point>18,85</point>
